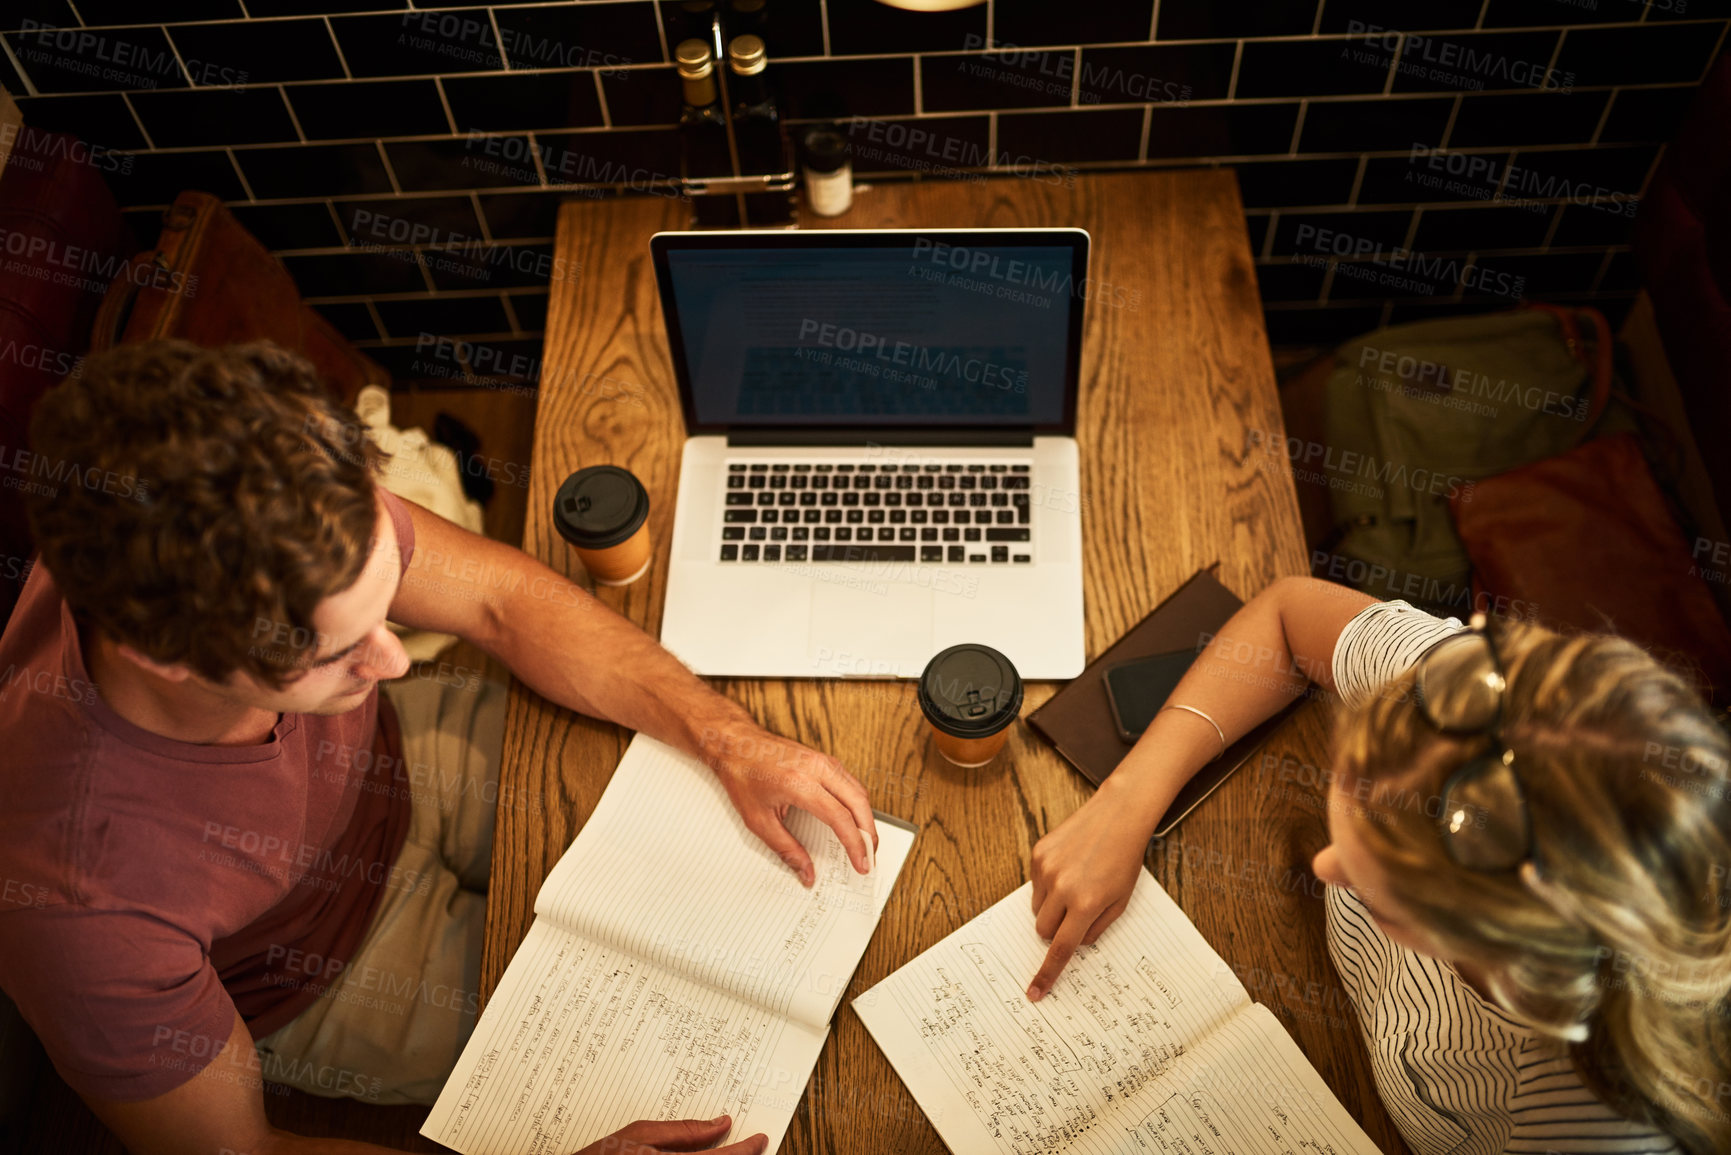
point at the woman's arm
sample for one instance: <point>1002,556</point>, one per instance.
<point>1267,654</point>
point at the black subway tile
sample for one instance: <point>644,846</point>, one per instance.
<point>1621,275</point>
<point>1339,234</point>
<point>354,274</point>
<point>1647,114</point>
<point>1527,118</point>
<point>1376,124</point>
<point>637,96</point>
<point>217,116</point>
<point>440,315</point>
<point>103,120</point>
<point>866,26</point>
<point>290,226</point>
<point>368,108</point>
<point>1043,22</point>
<point>1373,17</point>
<point>258,52</point>
<point>833,89</point>
<point>1395,276</point>
<point>350,318</point>
<point>1594,224</point>
<point>935,145</point>
<point>472,162</point>
<point>1312,68</point>
<point>1667,10</point>
<point>497,266</point>
<point>527,101</point>
<point>314,170</point>
<point>152,11</point>
<point>319,7</point>
<point>1478,62</point>
<point>643,160</point>
<point>1431,175</point>
<point>1442,230</point>
<point>446,220</point>
<point>1032,143</point>
<point>1279,183</point>
<point>1287,281</point>
<point>1221,130</point>
<point>1212,20</point>
<point>1540,274</point>
<point>525,214</point>
<point>1319,326</point>
<point>1156,73</point>
<point>531,310</point>
<point>590,35</point>
<point>156,178</point>
<point>1019,78</point>
<point>1580,173</point>
<point>1661,54</point>
<point>103,60</point>
<point>1406,311</point>
<point>36,13</point>
<point>1548,13</point>
<point>439,41</point>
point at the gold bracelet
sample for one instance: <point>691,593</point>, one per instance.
<point>1205,718</point>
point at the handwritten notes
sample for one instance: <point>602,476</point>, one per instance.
<point>1146,1043</point>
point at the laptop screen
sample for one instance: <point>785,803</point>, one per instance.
<point>927,331</point>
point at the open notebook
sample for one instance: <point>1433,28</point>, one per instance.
<point>1148,1043</point>
<point>676,969</point>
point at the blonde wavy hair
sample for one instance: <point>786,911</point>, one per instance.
<point>1617,939</point>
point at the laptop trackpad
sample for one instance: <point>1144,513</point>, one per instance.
<point>873,628</point>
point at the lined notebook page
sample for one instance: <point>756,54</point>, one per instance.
<point>1147,1042</point>
<point>581,1039</point>
<point>666,870</point>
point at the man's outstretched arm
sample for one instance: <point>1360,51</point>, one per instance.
<point>573,650</point>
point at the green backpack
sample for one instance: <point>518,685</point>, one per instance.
<point>1418,413</point>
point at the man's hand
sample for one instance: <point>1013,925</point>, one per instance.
<point>1084,872</point>
<point>648,1138</point>
<point>765,774</point>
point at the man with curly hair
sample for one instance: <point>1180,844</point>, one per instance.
<point>216,833</point>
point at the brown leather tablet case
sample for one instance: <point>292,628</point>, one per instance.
<point>1078,718</point>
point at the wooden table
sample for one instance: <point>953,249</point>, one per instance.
<point>1175,377</point>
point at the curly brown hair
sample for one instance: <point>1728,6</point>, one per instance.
<point>204,500</point>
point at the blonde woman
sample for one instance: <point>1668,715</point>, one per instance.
<point>1528,897</point>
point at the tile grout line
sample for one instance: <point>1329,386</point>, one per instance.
<point>342,57</point>
<point>293,119</point>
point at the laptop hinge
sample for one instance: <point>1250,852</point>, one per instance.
<point>1010,438</point>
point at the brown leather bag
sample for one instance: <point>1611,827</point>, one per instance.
<point>1586,540</point>
<point>210,281</point>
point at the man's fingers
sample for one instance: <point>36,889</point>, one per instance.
<point>1064,945</point>
<point>839,819</point>
<point>1049,917</point>
<point>857,799</point>
<point>1106,919</point>
<point>1042,887</point>
<point>776,836</point>
<point>670,1135</point>
<point>751,1146</point>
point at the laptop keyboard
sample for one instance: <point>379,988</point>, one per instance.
<point>973,513</point>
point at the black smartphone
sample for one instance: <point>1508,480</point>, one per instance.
<point>1138,688</point>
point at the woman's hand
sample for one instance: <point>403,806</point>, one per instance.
<point>650,1138</point>
<point>1084,872</point>
<point>764,774</point>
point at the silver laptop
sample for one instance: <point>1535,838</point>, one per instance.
<point>881,458</point>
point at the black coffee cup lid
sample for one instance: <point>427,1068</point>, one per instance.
<point>970,691</point>
<point>600,506</point>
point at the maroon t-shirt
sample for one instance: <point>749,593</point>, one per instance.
<point>151,888</point>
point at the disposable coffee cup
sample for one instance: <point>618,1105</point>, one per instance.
<point>970,694</point>
<point>603,512</point>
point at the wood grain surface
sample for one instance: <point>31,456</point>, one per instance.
<point>1177,396</point>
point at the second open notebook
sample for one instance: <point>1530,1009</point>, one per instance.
<point>1148,1043</point>
<point>676,969</point>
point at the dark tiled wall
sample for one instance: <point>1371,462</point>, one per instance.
<point>1398,158</point>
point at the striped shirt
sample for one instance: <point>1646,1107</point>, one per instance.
<point>1457,1073</point>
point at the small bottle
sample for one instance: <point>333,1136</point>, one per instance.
<point>756,120</point>
<point>702,127</point>
<point>828,171</point>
